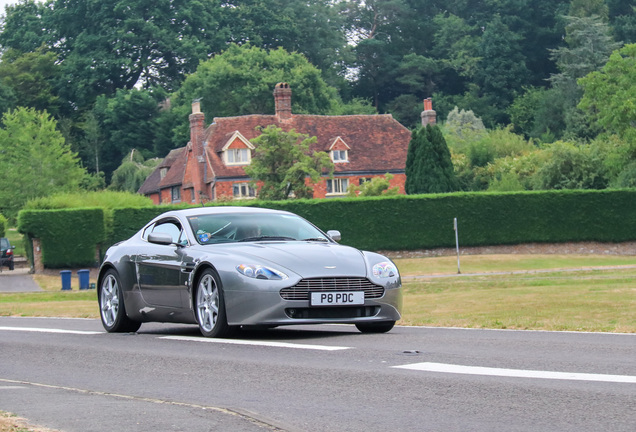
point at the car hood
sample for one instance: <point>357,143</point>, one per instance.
<point>306,259</point>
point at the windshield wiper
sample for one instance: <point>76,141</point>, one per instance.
<point>259,238</point>
<point>317,239</point>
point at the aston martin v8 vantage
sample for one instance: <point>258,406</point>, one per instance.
<point>227,267</point>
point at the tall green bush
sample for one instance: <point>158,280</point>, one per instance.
<point>69,237</point>
<point>3,225</point>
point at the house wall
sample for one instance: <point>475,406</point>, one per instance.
<point>320,189</point>
<point>156,199</point>
<point>166,196</point>
<point>224,189</point>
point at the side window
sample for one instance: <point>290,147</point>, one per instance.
<point>169,227</point>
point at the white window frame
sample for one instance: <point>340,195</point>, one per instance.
<point>339,156</point>
<point>337,186</point>
<point>245,190</point>
<point>238,156</point>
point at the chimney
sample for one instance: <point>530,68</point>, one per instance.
<point>429,116</point>
<point>282,101</point>
<point>197,124</point>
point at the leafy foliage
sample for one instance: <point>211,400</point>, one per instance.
<point>282,162</point>
<point>132,172</point>
<point>35,159</point>
<point>241,80</point>
<point>375,187</point>
<point>429,168</point>
<point>609,94</point>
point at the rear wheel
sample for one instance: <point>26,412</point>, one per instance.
<point>11,265</point>
<point>376,327</point>
<point>210,306</point>
<point>111,305</point>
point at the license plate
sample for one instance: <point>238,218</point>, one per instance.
<point>336,298</point>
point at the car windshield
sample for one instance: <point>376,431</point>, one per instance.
<point>246,227</point>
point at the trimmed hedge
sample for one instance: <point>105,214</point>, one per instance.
<point>426,221</point>
<point>69,237</point>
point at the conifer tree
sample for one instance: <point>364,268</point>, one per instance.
<point>429,168</point>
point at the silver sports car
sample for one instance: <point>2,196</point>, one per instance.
<point>226,267</point>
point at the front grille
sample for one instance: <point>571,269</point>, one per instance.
<point>301,290</point>
<point>333,312</point>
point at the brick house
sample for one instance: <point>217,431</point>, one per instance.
<point>211,165</point>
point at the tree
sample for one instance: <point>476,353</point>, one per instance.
<point>501,69</point>
<point>589,46</point>
<point>283,161</point>
<point>132,172</point>
<point>284,23</point>
<point>241,80</point>
<point>127,121</point>
<point>33,78</point>
<point>119,44</point>
<point>35,160</point>
<point>429,168</point>
<point>609,94</point>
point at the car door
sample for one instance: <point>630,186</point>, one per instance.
<point>159,267</point>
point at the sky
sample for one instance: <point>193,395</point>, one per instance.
<point>3,3</point>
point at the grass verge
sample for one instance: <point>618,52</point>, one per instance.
<point>575,298</point>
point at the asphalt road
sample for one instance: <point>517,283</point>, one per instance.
<point>70,375</point>
<point>18,280</point>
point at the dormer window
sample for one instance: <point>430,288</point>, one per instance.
<point>339,151</point>
<point>237,150</point>
<point>339,156</point>
<point>163,172</point>
<point>238,156</point>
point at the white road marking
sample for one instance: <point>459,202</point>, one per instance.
<point>256,343</point>
<point>49,330</point>
<point>516,373</point>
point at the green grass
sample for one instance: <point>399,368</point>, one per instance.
<point>506,263</point>
<point>599,300</point>
<point>582,300</point>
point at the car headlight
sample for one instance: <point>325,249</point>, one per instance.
<point>260,272</point>
<point>384,270</point>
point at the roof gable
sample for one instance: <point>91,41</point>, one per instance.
<point>338,144</point>
<point>237,141</point>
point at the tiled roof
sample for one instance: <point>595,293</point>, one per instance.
<point>376,142</point>
<point>175,163</point>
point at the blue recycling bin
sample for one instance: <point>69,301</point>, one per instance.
<point>66,279</point>
<point>83,276</point>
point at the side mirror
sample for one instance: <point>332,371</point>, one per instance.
<point>335,235</point>
<point>160,238</point>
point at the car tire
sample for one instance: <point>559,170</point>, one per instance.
<point>209,305</point>
<point>11,265</point>
<point>376,327</point>
<point>111,305</point>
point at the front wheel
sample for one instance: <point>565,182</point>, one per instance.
<point>111,305</point>
<point>210,306</point>
<point>376,327</point>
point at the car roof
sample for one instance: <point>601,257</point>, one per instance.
<point>200,211</point>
